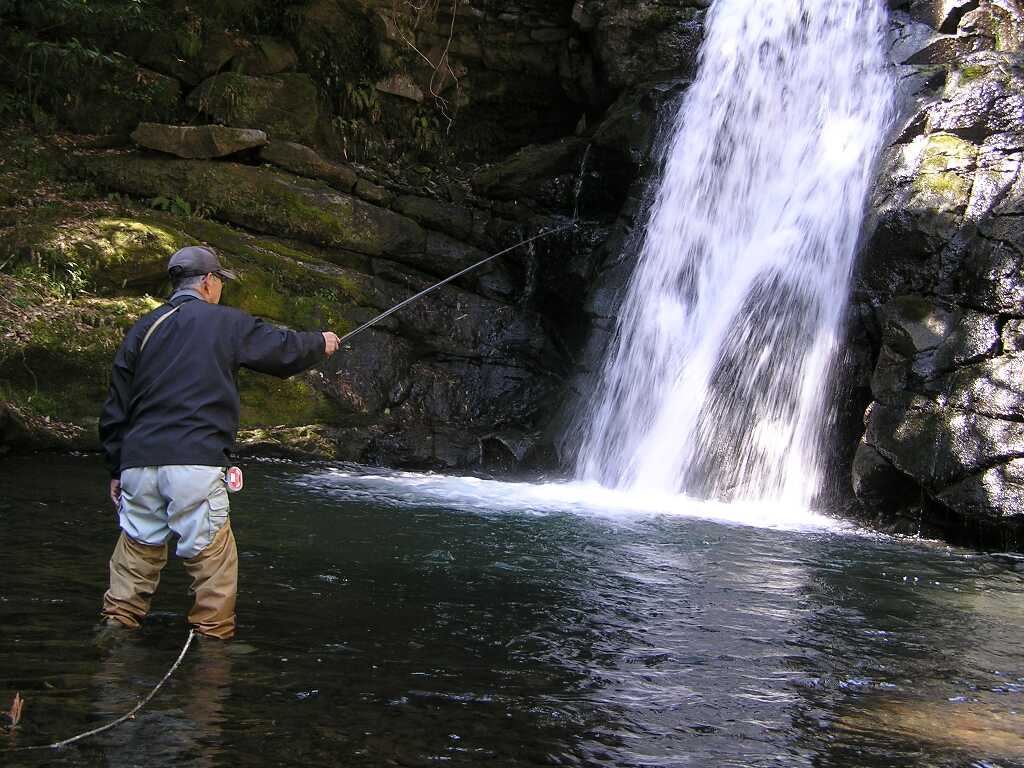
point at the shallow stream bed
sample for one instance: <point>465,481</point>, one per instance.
<point>398,619</point>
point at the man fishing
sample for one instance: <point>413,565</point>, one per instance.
<point>167,429</point>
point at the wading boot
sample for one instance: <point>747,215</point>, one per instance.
<point>214,573</point>
<point>134,576</point>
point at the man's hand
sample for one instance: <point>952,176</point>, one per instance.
<point>330,343</point>
<point>115,492</point>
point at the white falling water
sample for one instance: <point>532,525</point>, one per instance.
<point>717,376</point>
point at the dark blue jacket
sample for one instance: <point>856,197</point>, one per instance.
<point>177,401</point>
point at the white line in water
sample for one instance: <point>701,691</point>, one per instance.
<point>411,489</point>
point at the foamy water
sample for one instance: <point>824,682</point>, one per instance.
<point>472,494</point>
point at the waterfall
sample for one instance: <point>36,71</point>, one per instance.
<point>717,375</point>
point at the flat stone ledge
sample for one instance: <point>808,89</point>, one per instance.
<point>197,142</point>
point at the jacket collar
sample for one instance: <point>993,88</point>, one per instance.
<point>185,294</point>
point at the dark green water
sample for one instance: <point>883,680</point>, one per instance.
<point>382,626</point>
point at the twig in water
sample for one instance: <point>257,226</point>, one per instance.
<point>122,718</point>
<point>15,714</point>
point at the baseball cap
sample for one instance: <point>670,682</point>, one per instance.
<point>197,260</point>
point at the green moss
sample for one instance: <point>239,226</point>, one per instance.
<point>263,200</point>
<point>307,440</point>
<point>61,368</point>
<point>974,72</point>
<point>267,401</point>
<point>89,89</point>
<point>279,284</point>
<point>99,254</point>
<point>945,177</point>
<point>950,186</point>
<point>944,151</point>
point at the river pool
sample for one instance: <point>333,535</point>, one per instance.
<point>398,619</point>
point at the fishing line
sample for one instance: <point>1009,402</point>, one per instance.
<point>447,280</point>
<point>127,716</point>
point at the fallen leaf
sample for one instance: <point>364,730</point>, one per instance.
<point>15,713</point>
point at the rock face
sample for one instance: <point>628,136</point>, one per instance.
<point>286,106</point>
<point>940,286</point>
<point>202,141</point>
<point>267,201</point>
<point>304,161</point>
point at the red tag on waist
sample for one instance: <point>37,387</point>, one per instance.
<point>233,479</point>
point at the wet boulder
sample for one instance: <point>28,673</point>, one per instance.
<point>983,97</point>
<point>939,446</point>
<point>993,387</point>
<point>200,141</point>
<point>879,485</point>
<point>543,173</point>
<point>642,42</point>
<point>947,50</point>
<point>996,492</point>
<point>922,341</point>
<point>943,15</point>
<point>1013,335</point>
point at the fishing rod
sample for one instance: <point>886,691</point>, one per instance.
<point>447,280</point>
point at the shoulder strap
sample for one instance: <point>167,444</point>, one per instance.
<point>156,325</point>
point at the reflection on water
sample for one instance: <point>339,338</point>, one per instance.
<point>411,620</point>
<point>164,735</point>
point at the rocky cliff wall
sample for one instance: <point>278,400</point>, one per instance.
<point>939,291</point>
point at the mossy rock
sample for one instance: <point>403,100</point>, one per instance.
<point>294,402</point>
<point>266,56</point>
<point>105,254</point>
<point>526,173</point>
<point>286,106</point>
<point>313,441</point>
<point>264,200</point>
<point>287,284</point>
<point>57,363</point>
<point>941,187</point>
<point>88,90</point>
<point>128,253</point>
<point>185,53</point>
